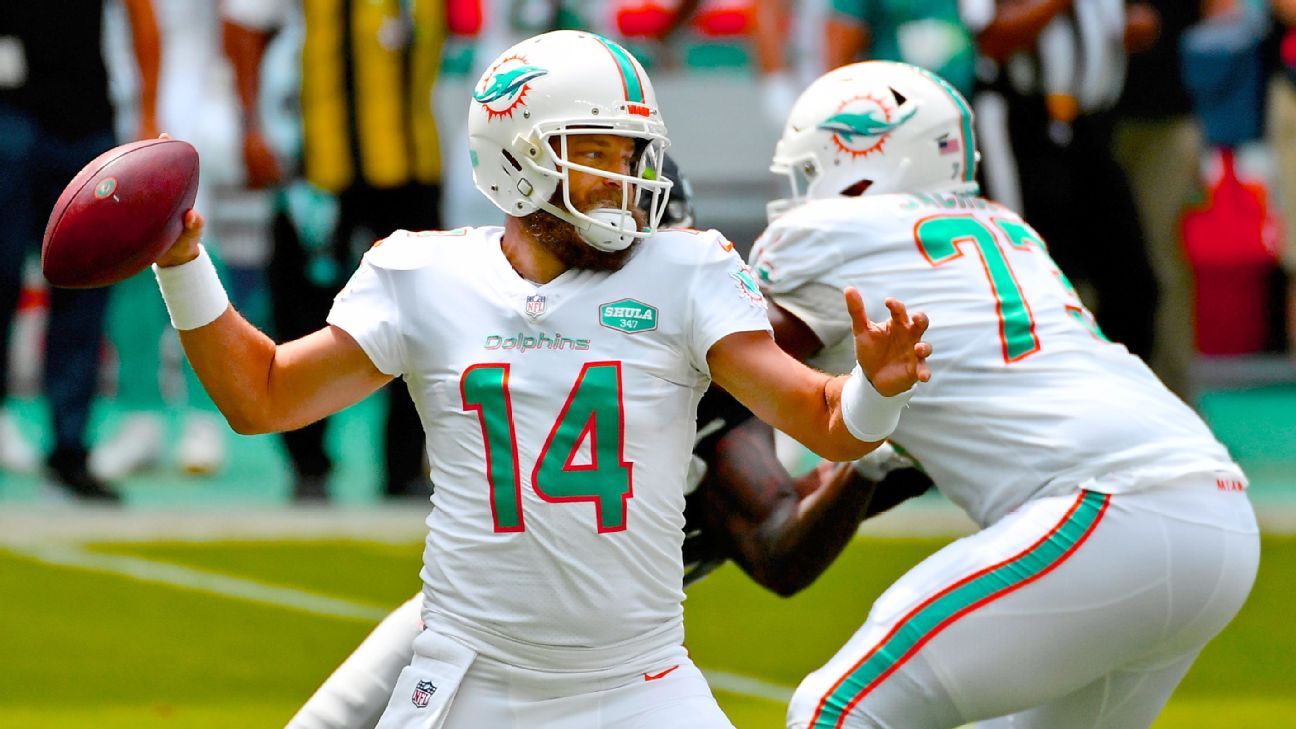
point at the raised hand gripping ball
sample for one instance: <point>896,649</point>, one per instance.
<point>120,213</point>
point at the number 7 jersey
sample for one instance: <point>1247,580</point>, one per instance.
<point>560,421</point>
<point>1026,397</point>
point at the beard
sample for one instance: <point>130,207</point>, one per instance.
<point>561,239</point>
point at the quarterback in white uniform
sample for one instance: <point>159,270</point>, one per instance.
<point>741,504</point>
<point>556,364</point>
<point>1117,538</point>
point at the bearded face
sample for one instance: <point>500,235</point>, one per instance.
<point>561,239</point>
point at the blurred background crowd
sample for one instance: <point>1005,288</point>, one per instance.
<point>1151,142</point>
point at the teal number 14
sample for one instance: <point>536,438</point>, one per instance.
<point>592,413</point>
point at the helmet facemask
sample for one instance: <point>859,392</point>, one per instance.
<point>800,174</point>
<point>610,227</point>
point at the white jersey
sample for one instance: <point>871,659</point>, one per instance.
<point>560,419</point>
<point>1026,397</point>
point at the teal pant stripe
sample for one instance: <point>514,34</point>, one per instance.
<point>928,619</point>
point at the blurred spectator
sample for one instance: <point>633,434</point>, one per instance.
<point>196,104</point>
<point>1158,143</point>
<point>371,164</point>
<point>1282,140</point>
<point>55,116</point>
<point>500,25</point>
<point>787,38</point>
<point>935,34</point>
<point>1054,70</point>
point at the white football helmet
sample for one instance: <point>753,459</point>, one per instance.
<point>553,86</point>
<point>876,127</point>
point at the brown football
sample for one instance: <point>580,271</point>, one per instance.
<point>119,213</point>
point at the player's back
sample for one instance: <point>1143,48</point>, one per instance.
<point>1026,395</point>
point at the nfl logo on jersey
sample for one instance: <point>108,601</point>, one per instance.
<point>423,694</point>
<point>535,305</point>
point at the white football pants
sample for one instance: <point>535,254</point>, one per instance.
<point>356,693</point>
<point>1082,610</point>
<point>671,692</point>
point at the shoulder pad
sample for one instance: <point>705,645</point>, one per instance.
<point>811,242</point>
<point>406,250</point>
<point>691,245</point>
<point>786,257</point>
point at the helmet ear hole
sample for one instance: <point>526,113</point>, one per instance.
<point>511,160</point>
<point>856,189</point>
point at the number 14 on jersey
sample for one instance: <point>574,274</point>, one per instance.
<point>592,414</point>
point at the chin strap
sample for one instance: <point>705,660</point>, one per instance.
<point>623,233</point>
<point>620,231</point>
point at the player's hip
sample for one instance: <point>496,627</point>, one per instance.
<point>1200,488</point>
<point>1054,595</point>
<point>604,662</point>
<point>449,686</point>
<point>671,694</point>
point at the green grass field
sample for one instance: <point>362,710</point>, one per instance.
<point>104,635</point>
<point>238,634</point>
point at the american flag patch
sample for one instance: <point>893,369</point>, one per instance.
<point>948,145</point>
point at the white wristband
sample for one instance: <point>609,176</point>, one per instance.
<point>192,291</point>
<point>869,415</point>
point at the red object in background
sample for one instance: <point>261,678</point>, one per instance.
<point>644,18</point>
<point>464,17</point>
<point>713,19</point>
<point>33,298</point>
<point>1287,49</point>
<point>718,18</point>
<point>1231,242</point>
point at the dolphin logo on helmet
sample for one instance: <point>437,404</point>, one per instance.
<point>874,128</point>
<point>508,83</point>
<point>848,125</point>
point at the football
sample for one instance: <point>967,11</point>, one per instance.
<point>119,213</point>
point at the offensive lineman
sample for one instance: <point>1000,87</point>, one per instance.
<point>1117,536</point>
<point>556,365</point>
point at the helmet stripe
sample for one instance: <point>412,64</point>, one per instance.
<point>965,124</point>
<point>629,74</point>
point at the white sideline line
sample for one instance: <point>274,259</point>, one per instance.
<point>395,525</point>
<point>736,683</point>
<point>81,523</point>
<point>401,525</point>
<point>191,579</point>
<point>162,573</point>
